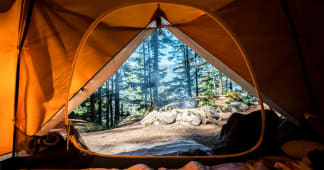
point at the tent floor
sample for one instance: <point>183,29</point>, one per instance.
<point>81,162</point>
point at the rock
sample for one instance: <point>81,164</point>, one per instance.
<point>166,117</point>
<point>210,111</point>
<point>156,122</point>
<point>236,107</point>
<point>149,118</point>
<point>187,116</point>
<point>218,110</point>
<point>196,120</point>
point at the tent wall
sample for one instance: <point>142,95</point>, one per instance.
<point>307,17</point>
<point>9,41</point>
<point>264,32</point>
<point>56,28</point>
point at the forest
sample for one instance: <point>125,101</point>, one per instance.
<point>161,71</point>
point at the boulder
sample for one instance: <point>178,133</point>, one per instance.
<point>149,118</point>
<point>166,117</point>
<point>211,112</point>
<point>218,110</point>
<point>196,120</point>
<point>236,107</point>
<point>189,118</point>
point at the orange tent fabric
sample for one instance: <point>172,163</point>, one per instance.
<point>262,29</point>
<point>9,42</point>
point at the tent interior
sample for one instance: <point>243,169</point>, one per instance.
<point>56,53</point>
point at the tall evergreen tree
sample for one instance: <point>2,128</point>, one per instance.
<point>117,108</point>
<point>99,105</point>
<point>92,108</point>
<point>220,79</point>
<point>108,103</point>
<point>187,69</point>
<point>196,75</point>
<point>155,75</point>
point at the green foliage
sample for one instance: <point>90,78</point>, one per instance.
<point>248,98</point>
<point>233,96</point>
<point>182,74</point>
<point>207,101</point>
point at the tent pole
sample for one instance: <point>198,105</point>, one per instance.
<point>286,10</point>
<point>23,27</point>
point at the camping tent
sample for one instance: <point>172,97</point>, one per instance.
<point>56,50</point>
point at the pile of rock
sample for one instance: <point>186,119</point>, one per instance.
<point>194,117</point>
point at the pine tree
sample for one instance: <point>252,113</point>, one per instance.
<point>220,79</point>
<point>196,75</point>
<point>187,69</point>
<point>155,75</point>
<point>92,108</point>
<point>99,105</point>
<point>230,86</point>
<point>117,111</point>
<point>108,103</point>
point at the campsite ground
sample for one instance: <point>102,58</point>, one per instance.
<point>112,141</point>
<point>103,141</point>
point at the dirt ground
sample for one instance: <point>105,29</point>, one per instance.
<point>137,134</point>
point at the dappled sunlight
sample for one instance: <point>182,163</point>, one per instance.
<point>163,93</point>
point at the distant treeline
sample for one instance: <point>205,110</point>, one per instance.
<point>161,71</point>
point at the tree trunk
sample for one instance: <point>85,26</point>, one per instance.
<point>117,111</point>
<point>226,84</point>
<point>214,81</point>
<point>187,70</point>
<point>155,78</point>
<point>92,108</point>
<point>220,83</point>
<point>150,73</point>
<point>122,110</point>
<point>145,77</point>
<point>196,73</point>
<point>107,104</point>
<point>100,106</point>
<point>230,86</point>
<point>112,122</point>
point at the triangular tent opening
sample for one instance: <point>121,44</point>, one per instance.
<point>150,98</point>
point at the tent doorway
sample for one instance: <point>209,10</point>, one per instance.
<point>163,100</point>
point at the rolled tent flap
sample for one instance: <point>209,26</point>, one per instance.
<point>9,42</point>
<point>46,58</point>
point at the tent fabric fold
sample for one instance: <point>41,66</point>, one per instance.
<point>56,28</point>
<point>9,42</point>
